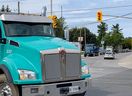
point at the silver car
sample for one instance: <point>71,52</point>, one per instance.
<point>109,55</point>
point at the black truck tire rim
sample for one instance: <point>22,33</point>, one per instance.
<point>6,90</point>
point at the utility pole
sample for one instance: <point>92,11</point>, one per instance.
<point>85,37</point>
<point>44,9</point>
<point>51,6</point>
<point>61,11</point>
<point>80,40</point>
<point>18,7</point>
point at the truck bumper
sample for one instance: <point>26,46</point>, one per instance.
<point>78,88</point>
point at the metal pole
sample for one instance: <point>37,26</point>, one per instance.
<point>51,7</point>
<point>80,41</point>
<point>85,37</point>
<point>61,11</point>
<point>18,7</point>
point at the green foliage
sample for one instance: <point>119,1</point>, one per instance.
<point>77,32</point>
<point>102,28</point>
<point>61,27</point>
<point>127,43</point>
<point>115,37</point>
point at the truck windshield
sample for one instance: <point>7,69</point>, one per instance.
<point>14,29</point>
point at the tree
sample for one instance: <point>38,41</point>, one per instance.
<point>74,33</point>
<point>7,9</point>
<point>116,28</point>
<point>3,8</point>
<point>127,43</point>
<point>115,37</point>
<point>102,28</point>
<point>61,27</point>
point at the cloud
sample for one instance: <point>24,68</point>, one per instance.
<point>78,12</point>
<point>93,4</point>
<point>60,2</point>
<point>118,0</point>
<point>77,20</point>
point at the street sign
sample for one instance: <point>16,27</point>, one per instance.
<point>80,39</point>
<point>102,42</point>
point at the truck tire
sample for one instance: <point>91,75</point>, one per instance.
<point>7,88</point>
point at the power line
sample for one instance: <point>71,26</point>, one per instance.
<point>95,22</point>
<point>122,16</point>
<point>66,11</point>
<point>110,18</point>
<point>118,16</point>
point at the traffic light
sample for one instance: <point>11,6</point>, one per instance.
<point>54,20</point>
<point>99,16</point>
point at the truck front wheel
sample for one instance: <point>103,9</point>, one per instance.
<point>7,88</point>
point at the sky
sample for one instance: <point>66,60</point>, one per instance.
<point>80,18</point>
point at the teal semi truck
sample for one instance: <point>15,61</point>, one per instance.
<point>33,62</point>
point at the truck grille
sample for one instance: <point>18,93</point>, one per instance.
<point>55,69</point>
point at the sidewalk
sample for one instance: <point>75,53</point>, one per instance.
<point>126,62</point>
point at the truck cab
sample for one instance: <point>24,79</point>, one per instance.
<point>33,62</point>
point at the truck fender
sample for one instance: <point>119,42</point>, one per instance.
<point>12,63</point>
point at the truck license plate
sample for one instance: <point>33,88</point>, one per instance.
<point>73,89</point>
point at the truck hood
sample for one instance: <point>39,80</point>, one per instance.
<point>43,43</point>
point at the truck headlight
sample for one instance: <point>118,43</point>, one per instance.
<point>85,70</point>
<point>26,75</point>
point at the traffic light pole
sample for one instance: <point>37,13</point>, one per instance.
<point>61,11</point>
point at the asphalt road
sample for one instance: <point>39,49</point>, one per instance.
<point>111,77</point>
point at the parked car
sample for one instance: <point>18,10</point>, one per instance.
<point>109,55</point>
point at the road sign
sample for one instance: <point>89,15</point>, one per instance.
<point>102,42</point>
<point>80,39</point>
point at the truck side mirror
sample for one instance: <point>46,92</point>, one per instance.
<point>3,40</point>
